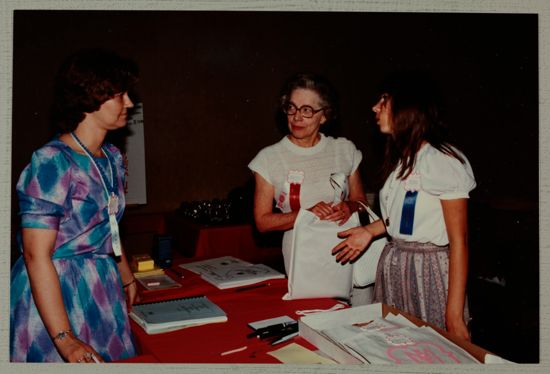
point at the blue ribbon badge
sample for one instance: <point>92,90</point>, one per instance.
<point>407,214</point>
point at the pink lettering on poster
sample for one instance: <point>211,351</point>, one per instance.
<point>425,352</point>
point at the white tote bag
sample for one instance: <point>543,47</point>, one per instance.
<point>364,268</point>
<point>313,270</point>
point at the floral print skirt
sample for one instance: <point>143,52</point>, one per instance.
<point>414,278</point>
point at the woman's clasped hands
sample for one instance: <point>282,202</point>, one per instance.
<point>339,213</point>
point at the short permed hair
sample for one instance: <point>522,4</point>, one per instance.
<point>317,84</point>
<point>322,87</point>
<point>86,80</point>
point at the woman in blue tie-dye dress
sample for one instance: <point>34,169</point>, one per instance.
<point>71,287</point>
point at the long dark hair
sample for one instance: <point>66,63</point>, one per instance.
<point>415,108</point>
<point>86,80</point>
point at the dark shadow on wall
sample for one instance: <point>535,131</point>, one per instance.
<point>503,287</point>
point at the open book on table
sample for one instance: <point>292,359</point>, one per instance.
<point>176,314</point>
<point>228,271</point>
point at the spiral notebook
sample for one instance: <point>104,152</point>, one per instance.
<point>176,314</point>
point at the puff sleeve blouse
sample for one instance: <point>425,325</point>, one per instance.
<point>436,176</point>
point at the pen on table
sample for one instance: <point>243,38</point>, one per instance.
<point>233,351</point>
<point>152,284</point>
<point>285,338</point>
<point>177,272</point>
<point>363,324</point>
<point>252,287</point>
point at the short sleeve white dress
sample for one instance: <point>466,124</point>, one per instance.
<point>284,162</point>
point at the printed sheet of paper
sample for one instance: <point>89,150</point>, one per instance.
<point>419,345</point>
<point>395,340</point>
<point>214,265</point>
<point>227,272</point>
<point>296,354</point>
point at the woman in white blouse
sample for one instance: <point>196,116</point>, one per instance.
<point>423,268</point>
<point>295,172</point>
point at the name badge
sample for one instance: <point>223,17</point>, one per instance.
<point>295,176</point>
<point>115,236</point>
<point>113,204</point>
<point>295,179</point>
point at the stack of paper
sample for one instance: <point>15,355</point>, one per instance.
<point>227,272</point>
<point>145,273</point>
<point>176,314</point>
<point>395,340</point>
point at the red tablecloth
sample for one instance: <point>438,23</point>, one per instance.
<point>204,344</point>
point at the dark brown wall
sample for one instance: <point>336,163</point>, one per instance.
<point>209,83</point>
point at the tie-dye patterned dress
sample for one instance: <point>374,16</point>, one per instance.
<point>61,189</point>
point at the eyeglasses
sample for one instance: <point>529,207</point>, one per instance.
<point>305,110</point>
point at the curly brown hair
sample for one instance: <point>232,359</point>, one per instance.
<point>86,80</point>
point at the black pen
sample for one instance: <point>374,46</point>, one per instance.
<point>177,272</point>
<point>252,287</point>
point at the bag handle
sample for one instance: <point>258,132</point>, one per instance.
<point>338,181</point>
<point>373,217</point>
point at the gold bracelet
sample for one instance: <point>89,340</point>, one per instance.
<point>62,335</point>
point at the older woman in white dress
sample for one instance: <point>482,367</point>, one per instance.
<point>295,172</point>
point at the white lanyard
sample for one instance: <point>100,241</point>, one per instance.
<point>112,198</point>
